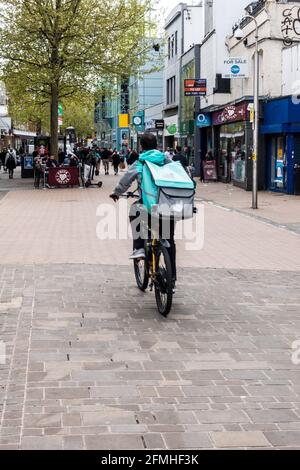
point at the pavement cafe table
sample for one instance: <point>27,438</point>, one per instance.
<point>63,176</point>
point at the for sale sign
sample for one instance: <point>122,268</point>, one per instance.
<point>235,67</point>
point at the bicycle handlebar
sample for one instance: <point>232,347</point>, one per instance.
<point>130,195</point>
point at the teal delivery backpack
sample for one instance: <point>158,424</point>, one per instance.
<point>168,191</point>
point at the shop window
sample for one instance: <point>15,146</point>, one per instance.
<point>232,159</point>
<point>278,162</point>
<point>171,90</point>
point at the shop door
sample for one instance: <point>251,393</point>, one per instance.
<point>278,163</point>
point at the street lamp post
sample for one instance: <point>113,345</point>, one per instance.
<point>239,35</point>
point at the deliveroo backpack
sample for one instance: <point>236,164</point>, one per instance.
<point>168,191</point>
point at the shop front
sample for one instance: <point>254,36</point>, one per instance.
<point>24,139</point>
<point>171,132</point>
<point>233,136</point>
<point>281,129</point>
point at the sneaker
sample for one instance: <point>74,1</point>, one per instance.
<point>138,254</point>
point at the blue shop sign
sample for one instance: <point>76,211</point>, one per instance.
<point>203,120</point>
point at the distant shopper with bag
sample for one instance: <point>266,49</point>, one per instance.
<point>11,162</point>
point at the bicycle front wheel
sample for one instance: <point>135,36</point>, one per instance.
<point>163,284</point>
<point>141,272</point>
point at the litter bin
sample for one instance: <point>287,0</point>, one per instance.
<point>297,180</point>
<point>27,170</point>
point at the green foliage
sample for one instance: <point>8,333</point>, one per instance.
<point>54,50</point>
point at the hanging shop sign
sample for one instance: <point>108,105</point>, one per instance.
<point>123,120</point>
<point>155,125</point>
<point>232,113</point>
<point>203,120</point>
<point>138,121</point>
<point>235,67</point>
<point>159,124</point>
<point>195,87</point>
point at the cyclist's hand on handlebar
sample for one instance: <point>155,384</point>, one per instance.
<point>114,197</point>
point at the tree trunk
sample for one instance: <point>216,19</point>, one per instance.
<point>54,121</point>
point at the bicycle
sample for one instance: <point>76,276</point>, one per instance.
<point>156,268</point>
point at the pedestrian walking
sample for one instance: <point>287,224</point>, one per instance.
<point>105,160</point>
<point>2,158</point>
<point>116,160</point>
<point>180,157</point>
<point>11,162</point>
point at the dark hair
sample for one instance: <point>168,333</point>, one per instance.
<point>178,148</point>
<point>148,142</point>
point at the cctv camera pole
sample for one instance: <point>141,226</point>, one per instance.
<point>256,121</point>
<point>256,124</point>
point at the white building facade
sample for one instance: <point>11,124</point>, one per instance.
<point>183,29</point>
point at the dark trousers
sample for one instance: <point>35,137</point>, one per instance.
<point>106,166</point>
<point>166,230</point>
<point>37,179</point>
<point>11,172</point>
<point>116,169</point>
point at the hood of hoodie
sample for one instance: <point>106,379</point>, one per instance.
<point>153,156</point>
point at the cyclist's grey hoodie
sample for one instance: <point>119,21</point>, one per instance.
<point>135,171</point>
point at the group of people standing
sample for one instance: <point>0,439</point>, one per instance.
<point>96,156</point>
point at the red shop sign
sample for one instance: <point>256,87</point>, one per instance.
<point>231,113</point>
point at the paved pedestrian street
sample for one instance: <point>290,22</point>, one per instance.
<point>90,364</point>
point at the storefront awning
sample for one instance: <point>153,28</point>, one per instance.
<point>21,133</point>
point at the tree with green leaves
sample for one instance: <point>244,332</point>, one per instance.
<point>53,50</point>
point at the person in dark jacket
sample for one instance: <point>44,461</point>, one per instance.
<point>51,162</point>
<point>116,160</point>
<point>11,162</point>
<point>132,158</point>
<point>179,157</point>
<point>61,156</point>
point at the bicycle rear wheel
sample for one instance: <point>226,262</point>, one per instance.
<point>163,284</point>
<point>141,272</point>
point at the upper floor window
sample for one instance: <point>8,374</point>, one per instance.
<point>173,45</point>
<point>171,90</point>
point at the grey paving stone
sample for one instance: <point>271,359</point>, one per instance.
<point>42,443</point>
<point>283,438</point>
<point>187,440</point>
<point>108,417</point>
<point>221,417</point>
<point>73,443</point>
<point>273,416</point>
<point>239,439</point>
<point>114,442</point>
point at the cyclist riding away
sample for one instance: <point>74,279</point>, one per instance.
<point>150,154</point>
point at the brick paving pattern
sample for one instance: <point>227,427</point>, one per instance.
<point>92,365</point>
